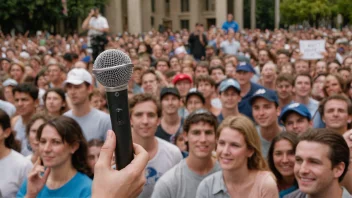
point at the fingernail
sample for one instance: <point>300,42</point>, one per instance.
<point>110,134</point>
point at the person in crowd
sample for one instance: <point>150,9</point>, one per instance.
<point>230,24</point>
<point>344,72</point>
<point>238,152</point>
<point>265,108</point>
<point>145,113</point>
<point>296,118</point>
<point>206,85</point>
<point>334,84</point>
<point>170,122</point>
<point>229,92</point>
<point>202,68</point>
<point>17,71</point>
<point>230,46</point>
<point>63,154</point>
<point>55,101</point>
<point>93,122</point>
<point>96,100</point>
<point>183,83</point>
<point>301,66</point>
<point>14,166</point>
<point>8,107</point>
<point>8,86</point>
<point>94,147</point>
<point>198,41</point>
<point>281,161</point>
<point>318,87</point>
<point>194,100</point>
<point>150,81</point>
<point>26,102</point>
<point>284,86</point>
<point>336,111</point>
<point>217,73</point>
<point>183,179</point>
<point>31,134</point>
<point>321,162</point>
<point>56,72</point>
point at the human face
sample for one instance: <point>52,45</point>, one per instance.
<point>8,94</point>
<point>78,94</point>
<point>33,142</point>
<point>320,67</point>
<point>183,86</point>
<point>284,90</point>
<point>144,119</point>
<point>201,140</point>
<point>218,75</point>
<point>284,158</point>
<point>287,69</point>
<point>282,59</point>
<point>345,74</point>
<point>313,169</point>
<point>149,83</point>
<point>53,150</point>
<point>302,86</point>
<point>302,67</point>
<point>162,66</point>
<point>157,51</point>
<point>5,65</point>
<point>332,86</point>
<point>25,104</point>
<point>54,103</point>
<point>269,73</point>
<point>332,67</point>
<point>297,123</point>
<point>230,70</point>
<point>348,62</point>
<point>335,114</point>
<point>137,76</point>
<point>263,57</point>
<point>93,156</point>
<point>188,70</point>
<point>42,82</point>
<point>95,102</point>
<point>243,77</point>
<point>230,98</point>
<point>54,73</point>
<point>173,62</point>
<point>16,73</point>
<point>201,71</point>
<point>264,112</point>
<point>194,103</point>
<point>170,104</point>
<point>206,89</point>
<point>232,150</point>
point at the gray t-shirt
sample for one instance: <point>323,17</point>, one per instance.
<point>167,156</point>
<point>94,125</point>
<point>180,181</point>
<point>265,143</point>
<point>14,170</point>
<point>299,194</point>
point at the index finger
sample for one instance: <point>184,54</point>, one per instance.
<point>107,150</point>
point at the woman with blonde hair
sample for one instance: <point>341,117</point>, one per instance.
<point>244,170</point>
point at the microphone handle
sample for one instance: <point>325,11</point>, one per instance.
<point>120,121</point>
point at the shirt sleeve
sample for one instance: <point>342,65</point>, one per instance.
<point>269,187</point>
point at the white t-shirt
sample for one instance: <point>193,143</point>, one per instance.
<point>167,156</point>
<point>97,22</point>
<point>13,171</point>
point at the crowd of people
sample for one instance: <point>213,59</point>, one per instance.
<point>222,112</point>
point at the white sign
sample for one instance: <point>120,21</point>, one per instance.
<point>312,49</point>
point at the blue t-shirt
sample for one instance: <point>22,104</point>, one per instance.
<point>232,24</point>
<point>79,186</point>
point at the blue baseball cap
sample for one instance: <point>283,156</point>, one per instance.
<point>297,108</point>
<point>244,66</point>
<point>227,83</point>
<point>266,94</point>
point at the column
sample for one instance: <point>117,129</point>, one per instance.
<point>253,19</point>
<point>220,12</point>
<point>239,13</point>
<point>134,16</point>
<point>146,15</point>
<point>159,12</point>
<point>194,13</point>
<point>277,13</point>
<point>114,16</point>
<point>175,9</point>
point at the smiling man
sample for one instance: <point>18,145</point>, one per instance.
<point>322,160</point>
<point>296,118</point>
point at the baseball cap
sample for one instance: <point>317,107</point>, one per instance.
<point>9,82</point>
<point>297,108</point>
<point>227,83</point>
<point>78,76</point>
<point>244,66</point>
<point>180,77</point>
<point>195,92</point>
<point>169,90</point>
<point>266,94</point>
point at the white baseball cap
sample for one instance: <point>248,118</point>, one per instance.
<point>78,76</point>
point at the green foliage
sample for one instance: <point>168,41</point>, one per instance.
<point>345,8</point>
<point>265,13</point>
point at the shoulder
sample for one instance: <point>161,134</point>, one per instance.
<point>170,147</point>
<point>14,120</point>
<point>207,185</point>
<point>19,160</point>
<point>68,113</point>
<point>170,177</point>
<point>267,183</point>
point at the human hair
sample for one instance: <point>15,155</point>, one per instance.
<point>58,91</point>
<point>290,137</point>
<point>95,92</point>
<point>303,74</point>
<point>40,73</point>
<point>61,67</point>
<point>27,88</point>
<point>211,69</point>
<point>338,148</point>
<point>71,133</point>
<point>10,141</point>
<point>284,52</point>
<point>20,64</point>
<point>200,115</point>
<point>284,78</point>
<point>205,78</point>
<point>339,79</point>
<point>150,71</point>
<point>95,142</point>
<point>335,97</point>
<point>246,127</point>
<point>144,97</point>
<point>162,59</point>
<point>34,118</point>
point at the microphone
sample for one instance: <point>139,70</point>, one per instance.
<point>113,69</point>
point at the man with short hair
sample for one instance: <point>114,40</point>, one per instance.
<point>229,92</point>
<point>296,118</point>
<point>282,57</point>
<point>183,179</point>
<point>301,66</point>
<point>322,160</point>
<point>26,103</point>
<point>217,73</point>
<point>170,122</point>
<point>284,86</point>
<point>55,75</point>
<point>336,113</point>
<point>183,83</point>
<point>150,82</point>
<point>194,100</point>
<point>230,24</point>
<point>206,85</point>
<point>162,65</point>
<point>145,113</point>
<point>94,123</point>
<point>265,108</point>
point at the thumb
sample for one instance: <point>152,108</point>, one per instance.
<point>107,150</point>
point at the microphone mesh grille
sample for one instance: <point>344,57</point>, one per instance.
<point>115,77</point>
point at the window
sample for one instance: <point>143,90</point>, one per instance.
<point>184,24</point>
<point>184,5</point>
<point>153,5</point>
<point>209,5</point>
